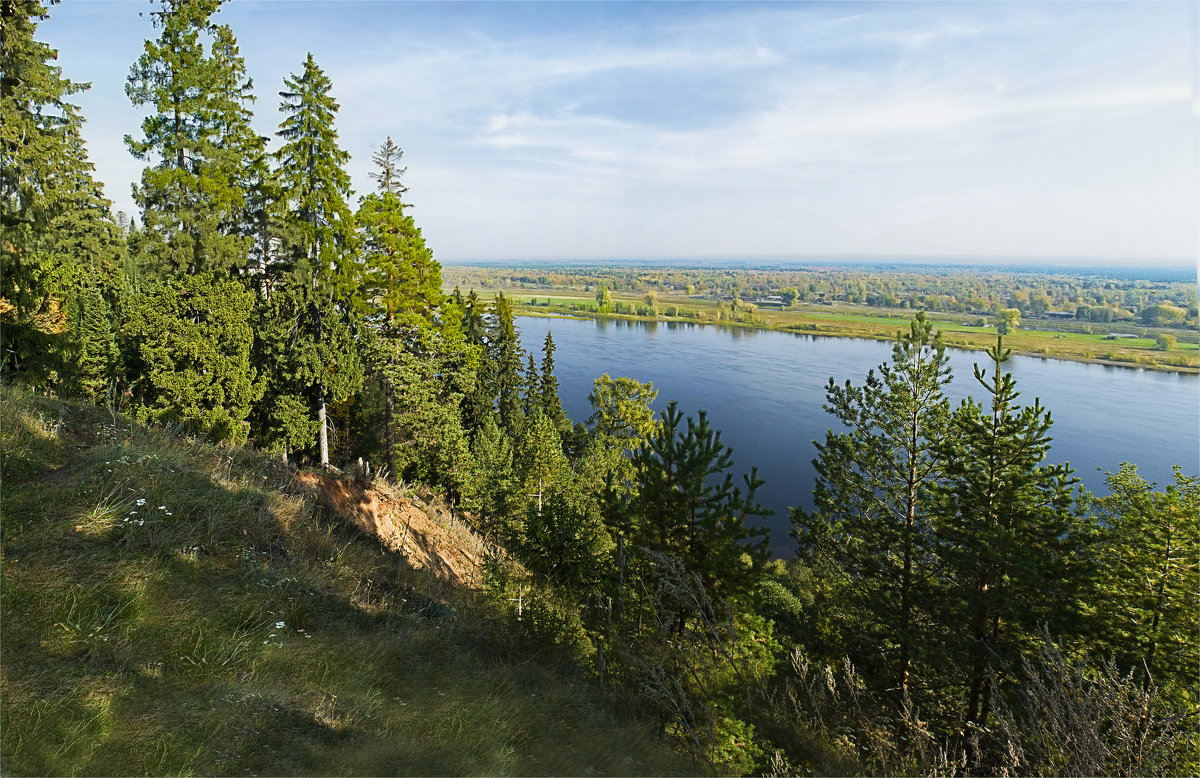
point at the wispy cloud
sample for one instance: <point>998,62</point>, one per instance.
<point>633,129</point>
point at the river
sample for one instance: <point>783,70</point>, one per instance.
<point>764,390</point>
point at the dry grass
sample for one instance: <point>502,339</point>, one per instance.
<point>171,607</point>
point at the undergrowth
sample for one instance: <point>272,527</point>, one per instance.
<point>172,607</point>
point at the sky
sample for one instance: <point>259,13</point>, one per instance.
<point>715,130</point>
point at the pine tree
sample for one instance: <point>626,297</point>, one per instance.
<point>876,502</point>
<point>312,174</point>
<point>1148,590</point>
<point>1010,538</point>
<point>687,505</point>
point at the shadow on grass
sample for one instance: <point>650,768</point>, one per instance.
<point>172,607</point>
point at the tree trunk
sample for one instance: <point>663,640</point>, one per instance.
<point>324,425</point>
<point>978,663</point>
<point>389,409</point>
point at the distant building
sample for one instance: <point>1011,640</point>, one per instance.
<point>1059,315</point>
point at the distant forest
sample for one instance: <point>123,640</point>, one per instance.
<point>1084,294</point>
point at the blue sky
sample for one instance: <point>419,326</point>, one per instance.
<point>728,130</point>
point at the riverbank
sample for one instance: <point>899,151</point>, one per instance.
<point>883,324</point>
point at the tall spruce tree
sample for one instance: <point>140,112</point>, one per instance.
<point>402,282</point>
<point>876,504</point>
<point>96,356</point>
<point>240,154</point>
<point>316,184</point>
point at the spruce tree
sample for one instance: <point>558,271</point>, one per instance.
<point>430,370</point>
<point>312,175</point>
<point>189,345</point>
<point>53,217</point>
<point>197,141</point>
<point>549,401</point>
<point>504,366</point>
<point>530,397</point>
<point>562,538</point>
<point>876,504</point>
<point>402,282</point>
<point>239,158</point>
<point>96,357</point>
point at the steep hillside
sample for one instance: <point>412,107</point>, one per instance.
<point>173,607</point>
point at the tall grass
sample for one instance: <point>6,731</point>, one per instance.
<point>172,607</point>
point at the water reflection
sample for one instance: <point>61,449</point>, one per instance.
<point>764,390</point>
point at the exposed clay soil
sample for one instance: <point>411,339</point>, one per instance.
<point>403,527</point>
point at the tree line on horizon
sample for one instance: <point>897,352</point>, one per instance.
<point>956,604</point>
<point>1086,296</point>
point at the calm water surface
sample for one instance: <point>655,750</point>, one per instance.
<point>765,391</point>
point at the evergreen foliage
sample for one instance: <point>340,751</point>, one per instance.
<point>877,504</point>
<point>316,185</point>
<point>296,365</point>
<point>1149,579</point>
<point>941,555</point>
<point>96,356</point>
<point>547,388</point>
<point>431,370</point>
<point>197,140</point>
<point>504,366</point>
<point>189,345</point>
<point>53,214</point>
<point>687,505</point>
<point>1012,541</point>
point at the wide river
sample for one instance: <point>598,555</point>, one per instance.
<point>765,390</point>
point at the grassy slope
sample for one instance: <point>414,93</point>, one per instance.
<point>239,630</point>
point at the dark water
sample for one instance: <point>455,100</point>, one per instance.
<point>765,390</point>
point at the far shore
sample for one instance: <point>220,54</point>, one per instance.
<point>524,309</point>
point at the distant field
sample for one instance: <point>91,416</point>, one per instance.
<point>1051,338</point>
